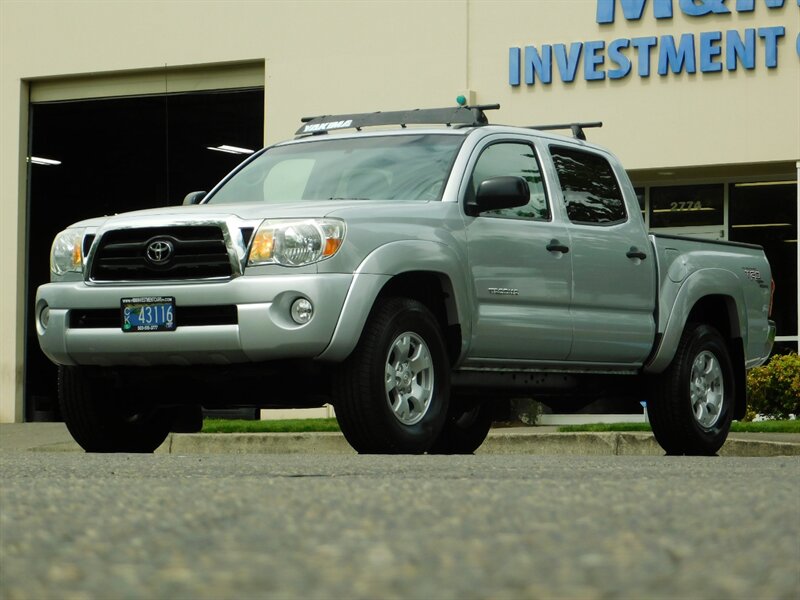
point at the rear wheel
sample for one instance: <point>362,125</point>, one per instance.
<point>466,427</point>
<point>391,394</point>
<point>104,417</point>
<point>692,404</point>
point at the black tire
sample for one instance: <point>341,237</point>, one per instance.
<point>692,401</point>
<point>404,416</point>
<point>466,427</point>
<point>105,418</point>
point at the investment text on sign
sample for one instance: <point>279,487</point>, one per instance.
<point>707,52</point>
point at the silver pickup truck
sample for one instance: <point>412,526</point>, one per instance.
<point>415,269</point>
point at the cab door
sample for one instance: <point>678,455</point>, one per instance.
<point>520,263</point>
<point>614,288</point>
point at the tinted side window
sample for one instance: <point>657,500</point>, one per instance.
<point>519,160</point>
<point>591,192</point>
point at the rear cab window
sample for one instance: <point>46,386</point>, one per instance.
<point>591,191</point>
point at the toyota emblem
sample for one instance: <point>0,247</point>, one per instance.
<point>159,252</point>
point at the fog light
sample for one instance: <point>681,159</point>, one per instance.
<point>302,311</point>
<point>44,317</point>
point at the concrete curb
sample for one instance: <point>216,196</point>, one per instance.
<point>256,443</point>
<point>616,444</point>
<point>498,442</point>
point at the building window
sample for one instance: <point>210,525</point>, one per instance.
<point>687,206</point>
<point>765,213</point>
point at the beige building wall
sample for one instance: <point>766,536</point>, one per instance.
<point>676,120</point>
<point>340,56</point>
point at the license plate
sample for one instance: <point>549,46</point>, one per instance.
<point>148,313</point>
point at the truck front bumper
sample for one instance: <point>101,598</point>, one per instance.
<point>263,328</point>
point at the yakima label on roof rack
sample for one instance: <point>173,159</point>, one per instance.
<point>327,125</point>
<point>470,116</point>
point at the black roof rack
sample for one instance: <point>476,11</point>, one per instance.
<point>458,115</point>
<point>576,128</point>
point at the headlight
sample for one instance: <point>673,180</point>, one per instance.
<point>296,243</point>
<point>66,255</point>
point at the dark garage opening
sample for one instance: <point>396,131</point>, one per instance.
<point>117,155</point>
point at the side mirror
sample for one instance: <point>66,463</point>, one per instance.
<point>500,192</point>
<point>194,198</point>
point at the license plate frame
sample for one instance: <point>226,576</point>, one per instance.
<point>147,314</point>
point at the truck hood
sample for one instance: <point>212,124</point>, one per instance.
<point>250,211</point>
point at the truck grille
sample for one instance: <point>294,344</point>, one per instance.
<point>161,253</point>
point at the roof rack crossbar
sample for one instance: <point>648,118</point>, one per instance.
<point>459,115</point>
<point>576,128</point>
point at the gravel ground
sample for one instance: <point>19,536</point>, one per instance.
<point>304,526</point>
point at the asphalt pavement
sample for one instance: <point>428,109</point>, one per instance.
<point>534,514</point>
<point>54,437</point>
<point>328,526</point>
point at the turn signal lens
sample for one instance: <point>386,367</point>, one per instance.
<point>332,246</point>
<point>263,243</point>
<point>295,243</point>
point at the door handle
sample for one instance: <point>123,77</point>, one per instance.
<point>634,252</point>
<point>556,246</point>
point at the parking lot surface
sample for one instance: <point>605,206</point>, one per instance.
<point>345,526</point>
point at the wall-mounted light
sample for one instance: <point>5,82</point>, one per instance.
<point>48,162</point>
<point>231,149</point>
<point>754,225</point>
<point>760,183</point>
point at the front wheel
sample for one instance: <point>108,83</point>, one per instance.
<point>391,394</point>
<point>692,405</point>
<point>105,417</point>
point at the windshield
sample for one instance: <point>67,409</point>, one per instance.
<point>399,167</point>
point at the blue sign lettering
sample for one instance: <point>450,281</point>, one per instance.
<point>643,46</point>
<point>568,64</point>
<point>770,36</point>
<point>633,10</point>
<point>513,66</point>
<point>678,58</point>
<point>749,5</point>
<point>740,51</point>
<point>593,60</point>
<point>693,9</point>
<point>540,64</point>
<point>709,51</point>
<point>616,56</point>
